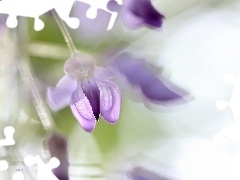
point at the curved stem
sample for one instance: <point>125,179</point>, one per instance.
<point>65,33</point>
<point>28,78</point>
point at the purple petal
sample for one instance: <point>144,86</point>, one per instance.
<point>59,97</point>
<point>91,91</point>
<point>82,110</point>
<point>128,66</point>
<point>57,145</point>
<point>139,173</point>
<point>132,20</point>
<point>137,72</point>
<point>103,74</point>
<point>143,12</point>
<point>110,103</point>
<point>155,89</point>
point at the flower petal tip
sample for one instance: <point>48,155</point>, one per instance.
<point>112,120</point>
<point>110,101</point>
<point>143,14</point>
<point>88,128</point>
<point>82,110</point>
<point>50,100</point>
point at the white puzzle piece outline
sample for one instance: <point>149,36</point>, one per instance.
<point>8,132</point>
<point>101,4</point>
<point>232,131</point>
<point>18,176</point>
<point>9,141</point>
<point>44,170</point>
<point>36,8</point>
<point>3,165</point>
<point>234,102</point>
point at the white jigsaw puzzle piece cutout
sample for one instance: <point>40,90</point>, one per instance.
<point>8,141</point>
<point>234,102</point>
<point>100,4</point>
<point>8,132</point>
<point>3,165</point>
<point>36,8</point>
<point>232,131</point>
<point>44,170</point>
<point>18,176</point>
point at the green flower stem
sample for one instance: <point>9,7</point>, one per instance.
<point>65,33</point>
<point>21,37</point>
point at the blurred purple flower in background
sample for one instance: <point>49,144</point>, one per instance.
<point>88,91</point>
<point>57,145</point>
<point>138,73</point>
<point>137,13</point>
<point>138,173</point>
<point>3,26</point>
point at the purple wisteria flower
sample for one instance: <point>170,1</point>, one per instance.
<point>155,88</point>
<point>139,173</point>
<point>89,92</point>
<point>139,12</point>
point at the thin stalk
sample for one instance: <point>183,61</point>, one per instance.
<point>40,106</point>
<point>65,33</point>
<point>27,76</point>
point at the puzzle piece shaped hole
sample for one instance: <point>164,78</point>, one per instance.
<point>44,170</point>
<point>3,165</point>
<point>8,132</point>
